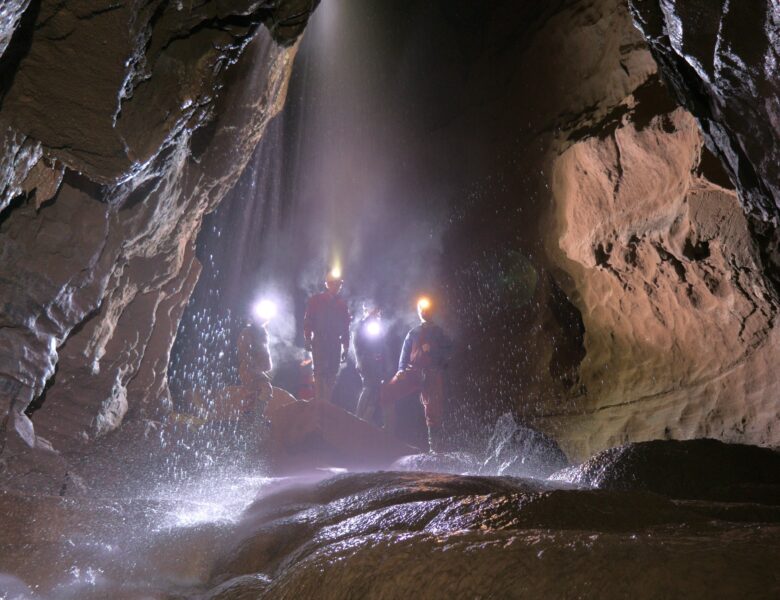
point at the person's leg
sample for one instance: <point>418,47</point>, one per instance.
<point>324,375</point>
<point>328,384</point>
<point>432,398</point>
<point>374,389</point>
<point>404,383</point>
<point>363,400</point>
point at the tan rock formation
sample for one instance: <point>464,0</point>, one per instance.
<point>679,322</point>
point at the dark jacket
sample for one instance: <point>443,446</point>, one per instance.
<point>425,347</point>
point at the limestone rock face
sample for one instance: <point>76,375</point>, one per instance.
<point>107,170</point>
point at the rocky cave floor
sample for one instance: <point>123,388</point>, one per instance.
<point>650,520</point>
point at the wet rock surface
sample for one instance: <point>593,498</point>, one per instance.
<point>106,173</point>
<point>625,531</point>
<point>513,450</point>
<point>693,469</point>
<point>720,59</point>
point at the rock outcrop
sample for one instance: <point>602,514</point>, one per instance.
<point>109,164</point>
<point>594,272</point>
<point>721,61</point>
<point>664,269</point>
<point>701,469</point>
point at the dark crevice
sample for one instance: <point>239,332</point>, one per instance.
<point>601,255</point>
<point>698,251</point>
<point>569,349</point>
<point>18,48</point>
<point>141,193</point>
<point>652,99</point>
<point>15,203</point>
<point>84,184</point>
<point>711,169</point>
<point>37,403</point>
<point>670,258</point>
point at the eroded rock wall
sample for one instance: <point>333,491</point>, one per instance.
<point>617,283</point>
<point>123,127</point>
<point>679,317</point>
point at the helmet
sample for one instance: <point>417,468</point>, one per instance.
<point>334,275</point>
<point>425,308</point>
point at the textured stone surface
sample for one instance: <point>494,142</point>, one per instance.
<point>153,72</point>
<point>721,59</point>
<point>10,14</point>
<point>97,266</point>
<point>663,270</point>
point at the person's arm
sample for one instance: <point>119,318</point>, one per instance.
<point>308,323</point>
<point>264,361</point>
<point>405,362</point>
<point>345,334</point>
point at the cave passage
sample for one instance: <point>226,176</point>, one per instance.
<point>582,194</point>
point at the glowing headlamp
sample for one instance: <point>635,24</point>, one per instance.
<point>374,328</point>
<point>424,303</point>
<point>335,272</point>
<point>264,310</point>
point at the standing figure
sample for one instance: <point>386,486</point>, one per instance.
<point>326,335</point>
<point>424,356</point>
<point>371,356</point>
<point>254,363</point>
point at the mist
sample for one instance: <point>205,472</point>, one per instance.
<point>345,175</point>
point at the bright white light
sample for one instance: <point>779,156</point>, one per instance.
<point>264,310</point>
<point>374,328</point>
<point>335,272</point>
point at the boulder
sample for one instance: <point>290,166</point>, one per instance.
<point>316,435</point>
<point>694,469</point>
<point>520,451</point>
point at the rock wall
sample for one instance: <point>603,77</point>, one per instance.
<point>668,251</point>
<point>679,318</point>
<point>122,127</point>
<point>614,282</point>
<point>721,61</point>
<point>613,279</point>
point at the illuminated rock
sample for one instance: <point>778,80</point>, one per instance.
<point>105,176</point>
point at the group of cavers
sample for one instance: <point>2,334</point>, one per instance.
<point>326,324</point>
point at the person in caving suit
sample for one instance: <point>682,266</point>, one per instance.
<point>254,363</point>
<point>371,357</point>
<point>424,357</point>
<point>326,335</point>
